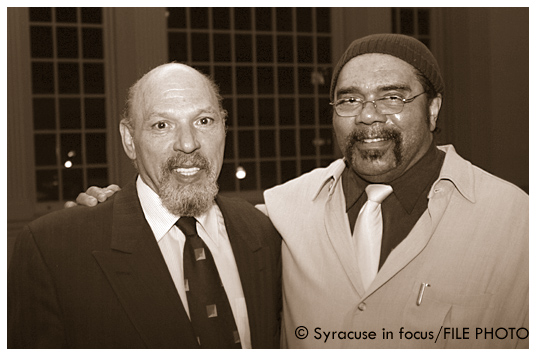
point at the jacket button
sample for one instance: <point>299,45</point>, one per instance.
<point>362,306</point>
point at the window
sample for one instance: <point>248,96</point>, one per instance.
<point>69,101</point>
<point>414,22</point>
<point>273,67</point>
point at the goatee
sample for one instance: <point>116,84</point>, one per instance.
<point>358,135</point>
<point>191,199</point>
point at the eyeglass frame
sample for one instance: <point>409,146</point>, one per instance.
<point>363,102</point>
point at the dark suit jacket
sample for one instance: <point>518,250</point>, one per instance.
<point>95,278</point>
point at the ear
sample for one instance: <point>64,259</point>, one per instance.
<point>433,111</point>
<point>128,139</point>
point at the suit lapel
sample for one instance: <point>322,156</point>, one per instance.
<point>245,245</point>
<point>338,230</point>
<point>139,276</point>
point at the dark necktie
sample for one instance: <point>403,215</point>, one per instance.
<point>210,311</point>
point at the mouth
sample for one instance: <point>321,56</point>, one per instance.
<point>374,140</point>
<point>187,172</point>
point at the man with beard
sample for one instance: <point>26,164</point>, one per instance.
<point>166,263</point>
<point>447,265</point>
<point>452,248</point>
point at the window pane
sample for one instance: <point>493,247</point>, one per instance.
<point>284,18</point>
<point>326,112</point>
<point>323,19</point>
<point>42,78</point>
<point>41,42</point>
<point>267,143</point>
<point>68,80</point>
<point>264,48</point>
<point>307,111</point>
<point>40,14</point>
<point>178,47</point>
<point>245,84</point>
<point>91,15</point>
<point>95,113</point>
<point>286,111</point>
<point>243,48</point>
<point>266,112</point>
<point>288,170</point>
<point>94,78</point>
<point>287,142</point>
<point>44,114</point>
<point>307,140</point>
<point>265,80</point>
<point>242,18</point>
<point>45,149</point>
<point>96,148</point>
<point>200,47</point>
<point>245,113</point>
<point>224,78</point>
<point>263,18</point>
<point>229,147</point>
<point>70,113</point>
<point>324,50</point>
<point>406,21</point>
<point>222,47</point>
<point>304,21</point>
<point>326,135</point>
<point>285,80</point>
<point>227,178</point>
<point>305,86</point>
<point>250,182</point>
<point>176,17</point>
<point>67,39</point>
<point>305,49</point>
<point>66,14</point>
<point>220,16</point>
<point>424,21</point>
<point>307,165</point>
<point>92,46</point>
<point>72,183</point>
<point>97,177</point>
<point>285,49</point>
<point>246,144</point>
<point>47,185</point>
<point>71,149</point>
<point>268,175</point>
<point>199,17</point>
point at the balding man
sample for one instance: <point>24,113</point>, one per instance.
<point>166,263</point>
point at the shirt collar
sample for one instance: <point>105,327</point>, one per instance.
<point>406,188</point>
<point>331,174</point>
<point>161,220</point>
<point>458,171</point>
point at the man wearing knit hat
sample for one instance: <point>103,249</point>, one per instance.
<point>452,247</point>
<point>435,257</point>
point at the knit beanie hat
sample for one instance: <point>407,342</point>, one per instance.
<point>406,48</point>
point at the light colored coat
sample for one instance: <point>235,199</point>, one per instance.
<point>470,246</point>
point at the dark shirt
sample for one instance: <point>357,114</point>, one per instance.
<point>404,206</point>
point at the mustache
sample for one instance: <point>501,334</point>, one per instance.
<point>361,134</point>
<point>182,159</point>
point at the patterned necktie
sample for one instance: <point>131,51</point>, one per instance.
<point>210,312</point>
<point>368,230</point>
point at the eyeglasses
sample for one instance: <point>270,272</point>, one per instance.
<point>386,106</point>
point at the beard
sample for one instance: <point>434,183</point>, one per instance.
<point>371,155</point>
<point>191,199</point>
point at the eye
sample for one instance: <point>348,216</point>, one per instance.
<point>161,125</point>
<point>392,98</point>
<point>204,121</point>
<point>351,101</point>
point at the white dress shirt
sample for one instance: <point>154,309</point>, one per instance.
<point>211,228</point>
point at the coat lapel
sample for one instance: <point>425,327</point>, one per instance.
<point>139,276</point>
<point>338,230</point>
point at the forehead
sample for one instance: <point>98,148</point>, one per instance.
<point>375,70</point>
<point>177,88</point>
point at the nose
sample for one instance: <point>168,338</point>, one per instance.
<point>369,114</point>
<point>186,140</point>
